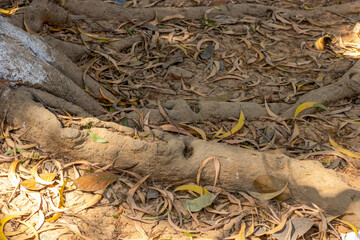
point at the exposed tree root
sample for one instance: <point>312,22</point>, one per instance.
<point>51,71</point>
<point>171,159</point>
<point>347,87</point>
<point>53,81</point>
<point>91,8</point>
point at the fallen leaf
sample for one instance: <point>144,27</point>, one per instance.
<point>350,225</point>
<point>270,184</point>
<point>195,205</point>
<point>321,42</point>
<point>268,196</point>
<point>299,227</point>
<point>307,105</point>
<point>174,16</point>
<point>31,184</point>
<point>96,138</point>
<point>196,129</point>
<point>241,235</point>
<point>95,181</point>
<point>237,127</point>
<point>3,221</point>
<point>36,234</point>
<point>343,150</point>
<point>274,230</point>
<point>194,188</point>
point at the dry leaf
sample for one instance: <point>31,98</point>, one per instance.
<point>95,181</point>
<point>270,184</point>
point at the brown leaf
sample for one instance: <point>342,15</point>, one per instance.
<point>270,184</point>
<point>95,181</point>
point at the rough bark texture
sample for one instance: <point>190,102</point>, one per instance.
<point>36,64</point>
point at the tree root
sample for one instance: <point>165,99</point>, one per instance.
<point>51,71</point>
<point>171,159</point>
<point>347,87</point>
<point>96,9</point>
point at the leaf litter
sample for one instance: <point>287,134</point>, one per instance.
<point>224,62</point>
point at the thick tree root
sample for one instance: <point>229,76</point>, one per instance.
<point>113,12</point>
<point>347,87</point>
<point>171,159</point>
<point>27,59</point>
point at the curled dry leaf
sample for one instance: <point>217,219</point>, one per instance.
<point>271,184</point>
<point>31,184</point>
<point>216,47</point>
<point>88,204</point>
<point>174,16</point>
<point>274,230</point>
<point>321,43</point>
<point>268,196</point>
<point>34,173</point>
<point>203,164</point>
<point>4,220</point>
<point>36,234</point>
<point>13,177</point>
<point>196,129</point>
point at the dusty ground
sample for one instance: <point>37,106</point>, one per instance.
<point>245,59</point>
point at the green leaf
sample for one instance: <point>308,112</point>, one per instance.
<point>136,63</point>
<point>129,31</point>
<point>199,203</point>
<point>125,122</point>
<point>12,151</point>
<point>190,234</point>
<point>97,139</point>
<point>319,105</point>
<point>307,105</point>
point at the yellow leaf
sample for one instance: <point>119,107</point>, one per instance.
<point>303,107</point>
<point>350,225</point>
<point>4,221</point>
<point>321,43</point>
<point>34,173</point>
<point>307,105</point>
<point>31,184</point>
<point>241,235</point>
<point>274,230</point>
<point>251,229</point>
<point>343,150</point>
<point>196,129</point>
<point>61,204</point>
<point>13,177</point>
<point>10,11</point>
<point>32,228</point>
<point>237,127</point>
<point>194,188</point>
<point>218,133</point>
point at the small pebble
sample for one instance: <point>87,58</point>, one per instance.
<point>176,86</point>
